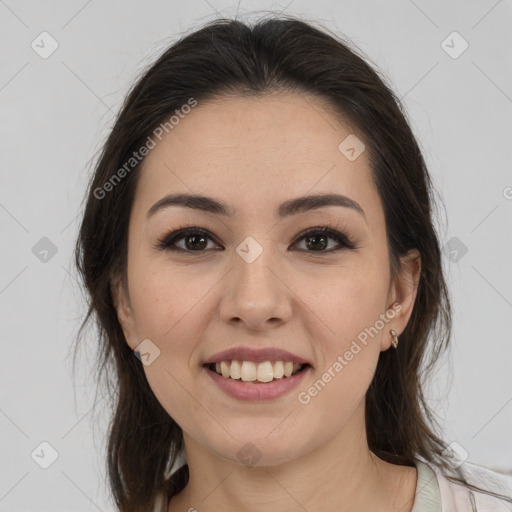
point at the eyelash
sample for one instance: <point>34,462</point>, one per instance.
<point>167,241</point>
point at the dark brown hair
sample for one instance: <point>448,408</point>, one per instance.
<point>231,57</point>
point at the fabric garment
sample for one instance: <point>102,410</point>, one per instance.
<point>459,498</point>
<point>436,493</point>
<point>428,494</point>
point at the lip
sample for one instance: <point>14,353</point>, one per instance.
<point>256,355</point>
<point>250,391</point>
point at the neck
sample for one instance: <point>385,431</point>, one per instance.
<point>339,475</point>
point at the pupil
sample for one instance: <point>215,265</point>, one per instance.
<point>321,237</point>
<point>194,237</point>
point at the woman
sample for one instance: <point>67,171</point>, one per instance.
<point>258,233</point>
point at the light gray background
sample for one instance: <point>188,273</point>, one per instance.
<point>57,111</point>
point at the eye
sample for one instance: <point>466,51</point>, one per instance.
<point>195,239</point>
<point>317,239</point>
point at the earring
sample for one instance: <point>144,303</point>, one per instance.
<point>395,338</point>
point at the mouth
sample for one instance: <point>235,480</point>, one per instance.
<point>256,372</point>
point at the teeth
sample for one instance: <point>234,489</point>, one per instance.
<point>235,370</point>
<point>224,368</point>
<point>249,371</point>
<point>265,372</point>
<point>278,370</point>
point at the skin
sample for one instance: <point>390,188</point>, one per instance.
<point>255,153</point>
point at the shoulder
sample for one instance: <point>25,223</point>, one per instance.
<point>458,497</point>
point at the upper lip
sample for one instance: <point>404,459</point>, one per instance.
<point>256,355</point>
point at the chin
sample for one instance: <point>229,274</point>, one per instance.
<point>258,449</point>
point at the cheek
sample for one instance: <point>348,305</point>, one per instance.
<point>348,301</point>
<point>347,339</point>
<point>173,387</point>
<point>169,306</point>
<point>168,312</point>
<point>167,300</point>
<point>348,350</point>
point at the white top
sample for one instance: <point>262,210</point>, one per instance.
<point>435,493</point>
<point>428,495</point>
<point>442,495</point>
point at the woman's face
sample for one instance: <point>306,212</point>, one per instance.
<point>250,282</point>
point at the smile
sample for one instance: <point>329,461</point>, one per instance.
<point>254,390</point>
<point>249,371</point>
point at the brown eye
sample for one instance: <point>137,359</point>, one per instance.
<point>194,240</point>
<point>317,239</point>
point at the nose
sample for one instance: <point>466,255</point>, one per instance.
<point>255,294</point>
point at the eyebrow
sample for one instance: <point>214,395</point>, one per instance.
<point>288,208</point>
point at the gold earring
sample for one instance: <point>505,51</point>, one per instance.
<point>395,338</point>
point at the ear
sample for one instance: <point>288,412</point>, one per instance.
<point>403,291</point>
<point>122,303</point>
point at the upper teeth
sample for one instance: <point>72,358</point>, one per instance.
<point>262,372</point>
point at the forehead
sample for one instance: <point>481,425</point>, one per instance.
<point>267,148</point>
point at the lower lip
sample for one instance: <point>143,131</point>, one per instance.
<point>251,391</point>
